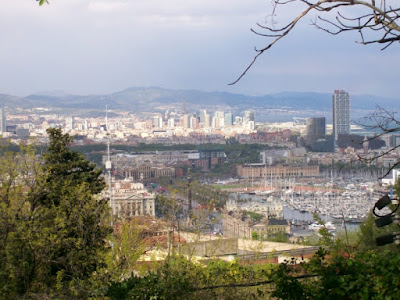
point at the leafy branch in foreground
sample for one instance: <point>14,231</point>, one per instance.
<point>41,2</point>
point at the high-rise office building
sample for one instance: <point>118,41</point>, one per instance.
<point>157,122</point>
<point>228,119</point>
<point>219,114</point>
<point>69,124</point>
<point>315,128</point>
<point>218,120</point>
<point>340,113</point>
<point>215,122</point>
<point>203,113</point>
<point>167,115</point>
<point>238,120</point>
<point>185,121</point>
<point>207,120</point>
<point>194,122</point>
<point>3,120</point>
<point>248,116</point>
<point>171,123</point>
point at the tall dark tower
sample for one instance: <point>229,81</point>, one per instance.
<point>315,129</point>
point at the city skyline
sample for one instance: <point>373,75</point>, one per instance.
<point>95,46</point>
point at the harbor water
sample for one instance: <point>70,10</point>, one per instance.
<point>294,216</point>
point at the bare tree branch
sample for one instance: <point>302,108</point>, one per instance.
<point>380,20</point>
<point>383,122</point>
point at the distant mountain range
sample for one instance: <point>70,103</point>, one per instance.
<point>146,99</point>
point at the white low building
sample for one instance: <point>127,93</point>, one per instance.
<point>270,207</point>
<point>130,199</point>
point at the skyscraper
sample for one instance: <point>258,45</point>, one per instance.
<point>340,113</point>
<point>218,120</point>
<point>185,121</point>
<point>158,121</point>
<point>315,128</point>
<point>248,116</point>
<point>69,124</point>
<point>203,113</point>
<point>228,119</point>
<point>194,122</point>
<point>3,120</point>
<point>207,120</point>
<point>171,123</point>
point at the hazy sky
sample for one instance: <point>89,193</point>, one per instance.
<point>103,46</point>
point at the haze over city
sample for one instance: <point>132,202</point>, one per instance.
<point>97,46</point>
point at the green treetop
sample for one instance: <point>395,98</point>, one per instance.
<point>54,226</point>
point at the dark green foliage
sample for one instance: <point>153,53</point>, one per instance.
<point>225,170</point>
<point>180,278</point>
<point>256,217</point>
<point>287,285</point>
<point>279,237</point>
<point>8,147</point>
<point>254,235</point>
<point>53,224</point>
<point>79,219</point>
<point>397,188</point>
<point>208,195</point>
<point>62,163</point>
<point>202,193</point>
<point>175,279</point>
<point>359,270</point>
<point>368,275</point>
<point>168,208</point>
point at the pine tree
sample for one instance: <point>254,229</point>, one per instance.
<point>62,164</point>
<point>53,223</point>
<point>78,214</point>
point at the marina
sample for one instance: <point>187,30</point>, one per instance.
<point>341,202</point>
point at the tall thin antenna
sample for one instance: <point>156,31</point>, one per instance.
<point>106,117</point>
<point>109,166</point>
